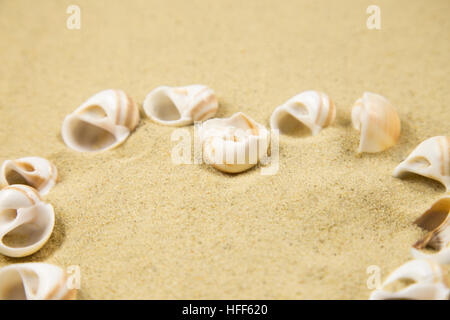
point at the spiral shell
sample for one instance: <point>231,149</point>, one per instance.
<point>34,281</point>
<point>180,106</point>
<point>26,222</point>
<point>378,122</point>
<point>36,172</point>
<point>427,278</point>
<point>430,159</point>
<point>102,122</point>
<point>313,109</point>
<point>233,144</point>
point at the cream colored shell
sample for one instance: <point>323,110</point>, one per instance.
<point>34,281</point>
<point>313,109</point>
<point>102,122</point>
<point>26,222</point>
<point>378,122</point>
<point>33,171</point>
<point>436,220</point>
<point>180,106</point>
<point>233,144</point>
<point>427,278</point>
<point>430,159</point>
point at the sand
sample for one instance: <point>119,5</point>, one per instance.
<point>140,226</point>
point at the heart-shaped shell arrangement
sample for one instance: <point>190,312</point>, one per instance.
<point>233,144</point>
<point>430,159</point>
<point>378,122</point>
<point>103,122</point>
<point>36,172</point>
<point>313,109</point>
<point>26,222</point>
<point>416,279</point>
<point>180,106</point>
<point>34,281</point>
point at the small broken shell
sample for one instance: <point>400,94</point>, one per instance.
<point>36,172</point>
<point>378,122</point>
<point>416,279</point>
<point>233,144</point>
<point>311,108</point>
<point>34,281</point>
<point>102,122</point>
<point>180,106</point>
<point>436,221</point>
<point>430,159</point>
<point>26,223</point>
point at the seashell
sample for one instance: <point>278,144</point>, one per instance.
<point>180,106</point>
<point>436,221</point>
<point>103,122</point>
<point>424,280</point>
<point>34,281</point>
<point>311,108</point>
<point>430,159</point>
<point>36,172</point>
<point>378,122</point>
<point>26,223</point>
<point>233,144</point>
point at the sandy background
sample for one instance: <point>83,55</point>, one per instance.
<point>141,227</point>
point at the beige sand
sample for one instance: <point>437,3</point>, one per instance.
<point>141,227</point>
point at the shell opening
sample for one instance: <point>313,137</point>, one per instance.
<point>420,163</point>
<point>26,166</point>
<point>24,235</point>
<point>399,284</point>
<point>14,177</point>
<point>290,125</point>
<point>163,108</point>
<point>89,136</point>
<point>13,287</point>
<point>434,219</point>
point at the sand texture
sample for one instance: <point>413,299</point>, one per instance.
<point>140,226</point>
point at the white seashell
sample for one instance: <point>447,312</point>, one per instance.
<point>428,282</point>
<point>33,171</point>
<point>233,144</point>
<point>34,281</point>
<point>378,122</point>
<point>430,159</point>
<point>102,122</point>
<point>180,106</point>
<point>26,223</point>
<point>312,108</point>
